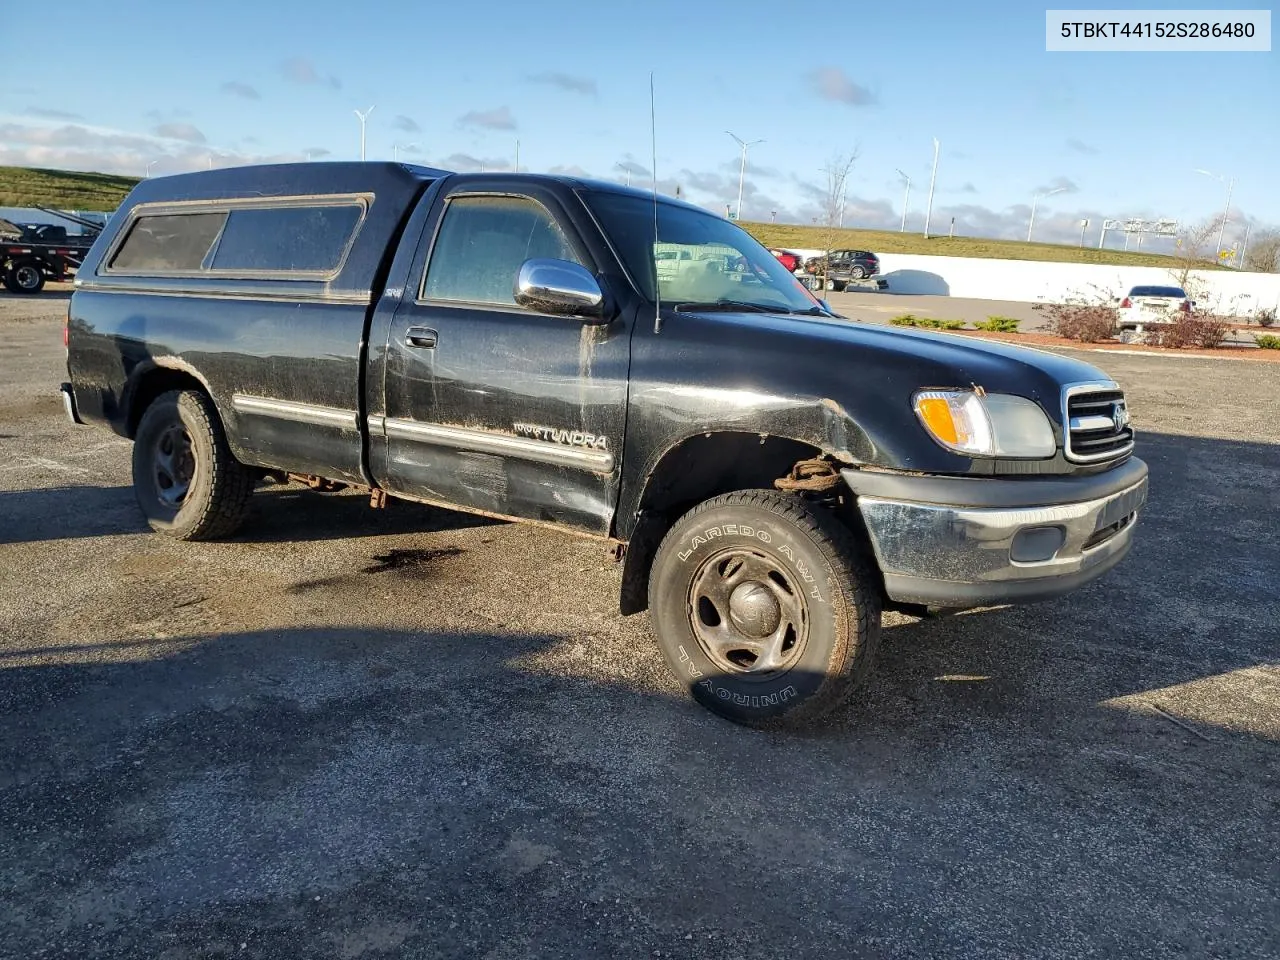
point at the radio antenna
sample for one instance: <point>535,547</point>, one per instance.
<point>653,161</point>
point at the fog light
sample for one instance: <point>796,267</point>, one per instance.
<point>1037,544</point>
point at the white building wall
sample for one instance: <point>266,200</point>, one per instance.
<point>1229,291</point>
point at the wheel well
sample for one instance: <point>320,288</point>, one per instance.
<point>698,469</point>
<point>158,381</point>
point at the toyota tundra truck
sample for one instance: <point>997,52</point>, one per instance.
<point>603,361</point>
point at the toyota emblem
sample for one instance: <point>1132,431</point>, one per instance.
<point>1120,416</point>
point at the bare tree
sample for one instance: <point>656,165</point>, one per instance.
<point>1263,255</point>
<point>1194,251</point>
<point>835,194</point>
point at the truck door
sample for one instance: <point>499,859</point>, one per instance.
<point>489,405</point>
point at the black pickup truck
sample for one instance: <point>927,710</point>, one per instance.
<point>599,360</point>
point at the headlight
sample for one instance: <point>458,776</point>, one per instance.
<point>986,425</point>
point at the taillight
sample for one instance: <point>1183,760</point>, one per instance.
<point>1125,304</point>
<point>1185,306</point>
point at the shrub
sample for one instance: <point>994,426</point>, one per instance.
<point>1268,341</point>
<point>926,323</point>
<point>1191,330</point>
<point>1086,322</point>
<point>998,324</point>
<point>1267,317</point>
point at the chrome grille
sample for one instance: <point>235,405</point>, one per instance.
<point>1097,421</point>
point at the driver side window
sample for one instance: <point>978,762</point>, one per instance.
<point>481,243</point>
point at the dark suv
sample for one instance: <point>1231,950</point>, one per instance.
<point>839,268</point>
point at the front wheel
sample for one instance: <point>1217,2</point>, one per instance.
<point>187,482</point>
<point>765,607</point>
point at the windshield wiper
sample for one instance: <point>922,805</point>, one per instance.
<point>726,304</point>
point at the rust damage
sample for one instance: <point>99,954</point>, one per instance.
<point>817,475</point>
<point>377,496</point>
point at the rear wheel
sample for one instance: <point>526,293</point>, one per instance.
<point>25,277</point>
<point>858,273</point>
<point>765,607</point>
<point>187,483</point>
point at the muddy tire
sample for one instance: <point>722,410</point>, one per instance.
<point>765,608</point>
<point>187,483</point>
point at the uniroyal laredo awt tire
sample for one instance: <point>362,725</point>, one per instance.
<point>187,482</point>
<point>765,607</point>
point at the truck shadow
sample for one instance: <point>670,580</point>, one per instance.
<point>42,295</point>
<point>292,514</point>
<point>277,515</point>
<point>214,780</point>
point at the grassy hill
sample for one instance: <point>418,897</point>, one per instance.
<point>789,235</point>
<point>70,190</point>
<point>63,189</point>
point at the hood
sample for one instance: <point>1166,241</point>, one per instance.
<point>935,359</point>
<point>975,358</point>
<point>866,376</point>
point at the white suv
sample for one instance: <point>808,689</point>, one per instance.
<point>1145,306</point>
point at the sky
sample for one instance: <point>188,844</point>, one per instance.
<point>180,86</point>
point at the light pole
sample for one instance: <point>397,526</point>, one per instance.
<point>1226,214</point>
<point>364,118</point>
<point>933,177</point>
<point>742,170</point>
<point>905,201</point>
<point>397,147</point>
<point>150,164</point>
<point>517,170</point>
<point>1035,198</point>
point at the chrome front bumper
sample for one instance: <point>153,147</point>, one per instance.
<point>977,550</point>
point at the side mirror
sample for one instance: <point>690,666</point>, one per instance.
<point>561,287</point>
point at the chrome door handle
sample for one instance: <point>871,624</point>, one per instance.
<point>422,337</point>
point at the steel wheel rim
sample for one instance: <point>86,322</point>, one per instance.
<point>748,613</point>
<point>173,465</point>
<point>26,277</point>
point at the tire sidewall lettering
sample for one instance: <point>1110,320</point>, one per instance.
<point>781,546</point>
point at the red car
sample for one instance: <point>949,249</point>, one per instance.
<point>792,261</point>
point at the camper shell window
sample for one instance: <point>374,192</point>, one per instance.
<point>291,238</point>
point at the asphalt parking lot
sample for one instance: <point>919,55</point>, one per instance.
<point>350,733</point>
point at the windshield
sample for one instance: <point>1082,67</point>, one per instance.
<point>1176,292</point>
<point>700,261</point>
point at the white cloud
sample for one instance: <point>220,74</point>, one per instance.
<point>243,90</point>
<point>1059,185</point>
<point>566,81</point>
<point>105,150</point>
<point>301,70</point>
<point>180,131</point>
<point>832,83</point>
<point>499,118</point>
